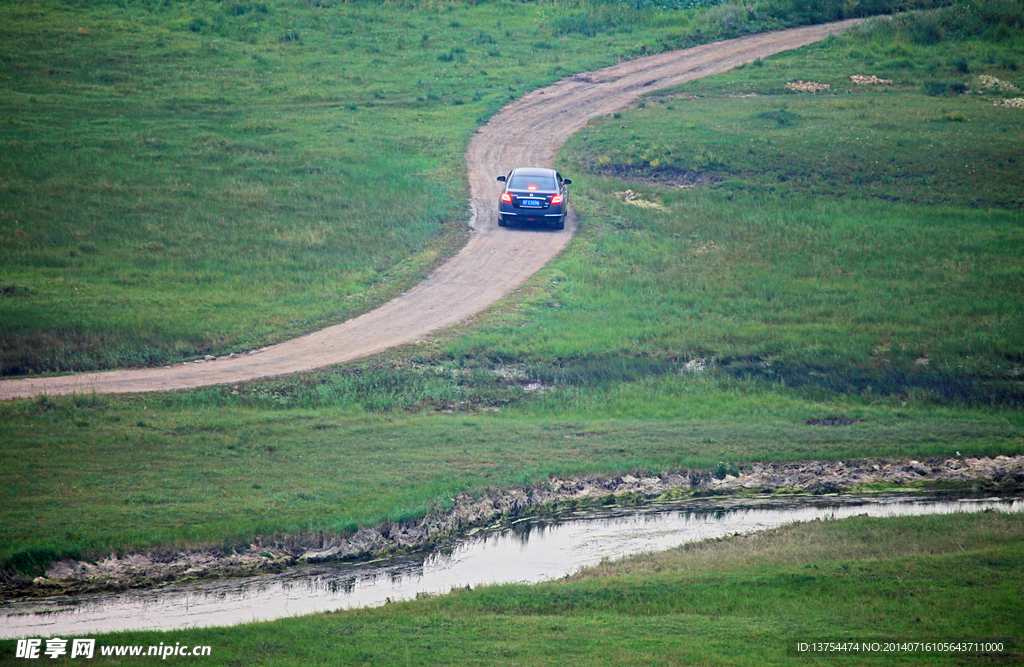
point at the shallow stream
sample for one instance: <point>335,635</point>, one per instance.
<point>528,551</point>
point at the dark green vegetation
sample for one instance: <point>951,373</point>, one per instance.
<point>736,601</point>
<point>184,178</point>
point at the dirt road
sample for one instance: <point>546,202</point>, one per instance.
<point>494,261</point>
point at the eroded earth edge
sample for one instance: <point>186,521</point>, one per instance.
<point>701,490</point>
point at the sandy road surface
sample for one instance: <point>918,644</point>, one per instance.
<point>494,261</point>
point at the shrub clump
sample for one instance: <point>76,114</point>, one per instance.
<point>939,88</point>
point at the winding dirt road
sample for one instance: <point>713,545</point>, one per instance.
<point>494,261</point>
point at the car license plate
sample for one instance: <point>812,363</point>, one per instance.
<point>530,202</point>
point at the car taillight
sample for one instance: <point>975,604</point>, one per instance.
<point>556,199</point>
<point>506,197</point>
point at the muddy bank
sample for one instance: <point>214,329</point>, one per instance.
<point>142,570</point>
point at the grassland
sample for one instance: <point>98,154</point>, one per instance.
<point>185,178</point>
<point>220,475</point>
<point>206,177</point>
<point>895,300</point>
<point>919,340</point>
<point>866,226</point>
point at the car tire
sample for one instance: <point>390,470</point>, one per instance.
<point>560,224</point>
<point>501,221</point>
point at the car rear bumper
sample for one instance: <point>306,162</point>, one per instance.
<point>545,218</point>
<point>524,216</point>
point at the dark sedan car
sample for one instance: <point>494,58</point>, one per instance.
<point>534,195</point>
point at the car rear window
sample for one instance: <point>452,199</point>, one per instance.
<point>540,183</point>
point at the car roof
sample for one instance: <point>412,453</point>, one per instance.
<point>533,171</point>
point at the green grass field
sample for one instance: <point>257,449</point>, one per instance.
<point>732,272</point>
<point>854,252</point>
<point>220,475</point>
<point>184,178</point>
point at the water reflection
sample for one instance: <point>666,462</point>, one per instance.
<point>528,551</point>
